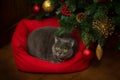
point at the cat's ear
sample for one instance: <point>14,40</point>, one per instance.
<point>56,39</point>
<point>71,42</point>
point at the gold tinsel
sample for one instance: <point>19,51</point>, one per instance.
<point>99,52</point>
<point>81,17</point>
<point>104,26</point>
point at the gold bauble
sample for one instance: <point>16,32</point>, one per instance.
<point>47,6</point>
<point>99,52</point>
<point>104,26</point>
<point>81,17</point>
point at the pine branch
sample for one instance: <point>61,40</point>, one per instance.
<point>71,4</point>
<point>100,11</point>
<point>90,10</point>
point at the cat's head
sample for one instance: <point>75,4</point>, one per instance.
<point>63,48</point>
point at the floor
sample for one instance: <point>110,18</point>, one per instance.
<point>106,69</point>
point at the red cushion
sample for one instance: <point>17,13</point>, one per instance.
<point>27,63</point>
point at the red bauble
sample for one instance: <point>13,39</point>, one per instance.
<point>88,54</point>
<point>36,9</point>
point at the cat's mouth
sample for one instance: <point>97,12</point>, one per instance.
<point>60,58</point>
<point>60,55</point>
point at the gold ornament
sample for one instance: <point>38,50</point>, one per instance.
<point>81,17</point>
<point>47,6</point>
<point>99,52</point>
<point>104,26</point>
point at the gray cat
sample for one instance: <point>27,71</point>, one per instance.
<point>43,44</point>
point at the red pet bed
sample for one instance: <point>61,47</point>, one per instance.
<point>27,63</point>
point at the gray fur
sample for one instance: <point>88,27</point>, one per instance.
<point>43,44</point>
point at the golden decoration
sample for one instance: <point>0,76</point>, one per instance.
<point>104,26</point>
<point>81,17</point>
<point>47,6</point>
<point>99,52</point>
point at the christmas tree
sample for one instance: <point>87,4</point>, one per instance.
<point>95,20</point>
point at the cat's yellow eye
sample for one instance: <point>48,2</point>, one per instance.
<point>57,48</point>
<point>65,50</point>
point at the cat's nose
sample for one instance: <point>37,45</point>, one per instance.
<point>59,53</point>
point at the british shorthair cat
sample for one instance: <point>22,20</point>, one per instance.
<point>45,45</point>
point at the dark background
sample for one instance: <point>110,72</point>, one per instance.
<point>11,12</point>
